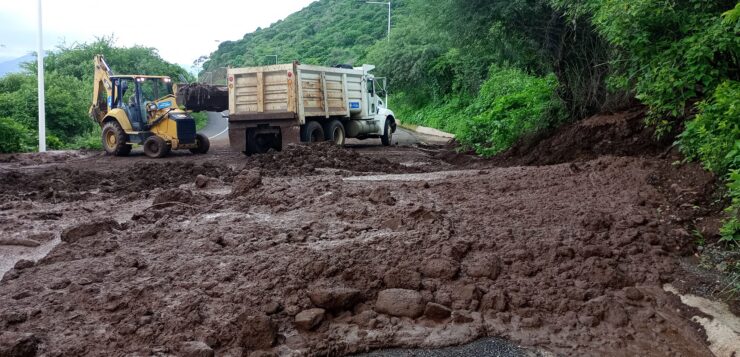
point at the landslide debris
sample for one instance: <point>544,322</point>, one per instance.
<point>297,160</point>
<point>291,258</point>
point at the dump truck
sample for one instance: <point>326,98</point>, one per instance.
<point>273,106</point>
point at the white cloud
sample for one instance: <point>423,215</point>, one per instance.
<point>181,30</point>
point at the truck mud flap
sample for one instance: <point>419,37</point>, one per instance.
<point>290,134</point>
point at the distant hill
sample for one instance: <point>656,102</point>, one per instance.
<point>14,65</point>
<point>326,32</point>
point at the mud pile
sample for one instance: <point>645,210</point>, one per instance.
<point>618,134</point>
<point>61,183</point>
<point>568,258</point>
<point>309,159</point>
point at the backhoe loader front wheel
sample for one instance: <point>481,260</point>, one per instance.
<point>155,147</point>
<point>114,139</point>
<point>202,144</point>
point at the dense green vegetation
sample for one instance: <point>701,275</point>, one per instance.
<point>69,77</point>
<point>326,32</point>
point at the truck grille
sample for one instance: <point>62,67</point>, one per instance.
<point>186,131</point>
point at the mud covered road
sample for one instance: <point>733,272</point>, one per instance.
<point>327,251</point>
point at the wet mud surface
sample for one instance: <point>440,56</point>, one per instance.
<point>315,251</point>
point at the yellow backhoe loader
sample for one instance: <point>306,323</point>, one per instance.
<point>138,109</point>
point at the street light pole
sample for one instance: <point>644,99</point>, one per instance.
<point>389,15</point>
<point>42,104</point>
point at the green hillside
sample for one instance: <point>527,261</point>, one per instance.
<point>326,32</point>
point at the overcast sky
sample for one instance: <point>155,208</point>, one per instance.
<point>182,30</point>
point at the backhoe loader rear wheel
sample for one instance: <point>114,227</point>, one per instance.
<point>203,144</point>
<point>155,147</point>
<point>114,139</point>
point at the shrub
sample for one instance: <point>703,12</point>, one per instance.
<point>14,137</point>
<point>730,231</point>
<point>510,104</point>
<point>713,137</point>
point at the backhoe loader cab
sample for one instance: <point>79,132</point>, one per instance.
<point>138,109</point>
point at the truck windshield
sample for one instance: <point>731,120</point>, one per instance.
<point>154,88</point>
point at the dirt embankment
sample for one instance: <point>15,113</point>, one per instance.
<point>266,261</point>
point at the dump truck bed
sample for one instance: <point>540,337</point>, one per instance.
<point>294,92</point>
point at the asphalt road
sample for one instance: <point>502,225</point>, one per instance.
<point>486,347</point>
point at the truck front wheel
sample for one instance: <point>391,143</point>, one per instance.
<point>313,132</point>
<point>202,144</point>
<point>335,132</point>
<point>387,138</point>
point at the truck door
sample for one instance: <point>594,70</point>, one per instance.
<point>372,104</point>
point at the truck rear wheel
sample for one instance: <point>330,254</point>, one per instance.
<point>114,139</point>
<point>313,132</point>
<point>155,147</point>
<point>335,133</point>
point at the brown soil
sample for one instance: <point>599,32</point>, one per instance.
<point>305,253</point>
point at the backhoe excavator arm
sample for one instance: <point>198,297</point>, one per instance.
<point>102,90</point>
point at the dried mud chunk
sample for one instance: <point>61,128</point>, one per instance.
<point>309,319</point>
<point>24,264</point>
<point>596,251</point>
<point>258,331</point>
<point>437,312</point>
<point>13,317</point>
<point>441,268</point>
<point>462,317</point>
<point>494,300</point>
<point>531,322</point>
<point>597,221</point>
<point>382,195</point>
<point>400,302</point>
<point>334,298</point>
<point>633,293</point>
<point>75,233</point>
<point>14,344</point>
<point>402,279</point>
<point>174,195</point>
<point>565,252</point>
<point>60,284</point>
<point>195,349</point>
<point>480,264</point>
<point>201,181</point>
<point>617,316</point>
<point>11,275</point>
<point>245,182</point>
<point>272,308</point>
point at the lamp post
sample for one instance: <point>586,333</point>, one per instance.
<point>389,14</point>
<point>42,104</point>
